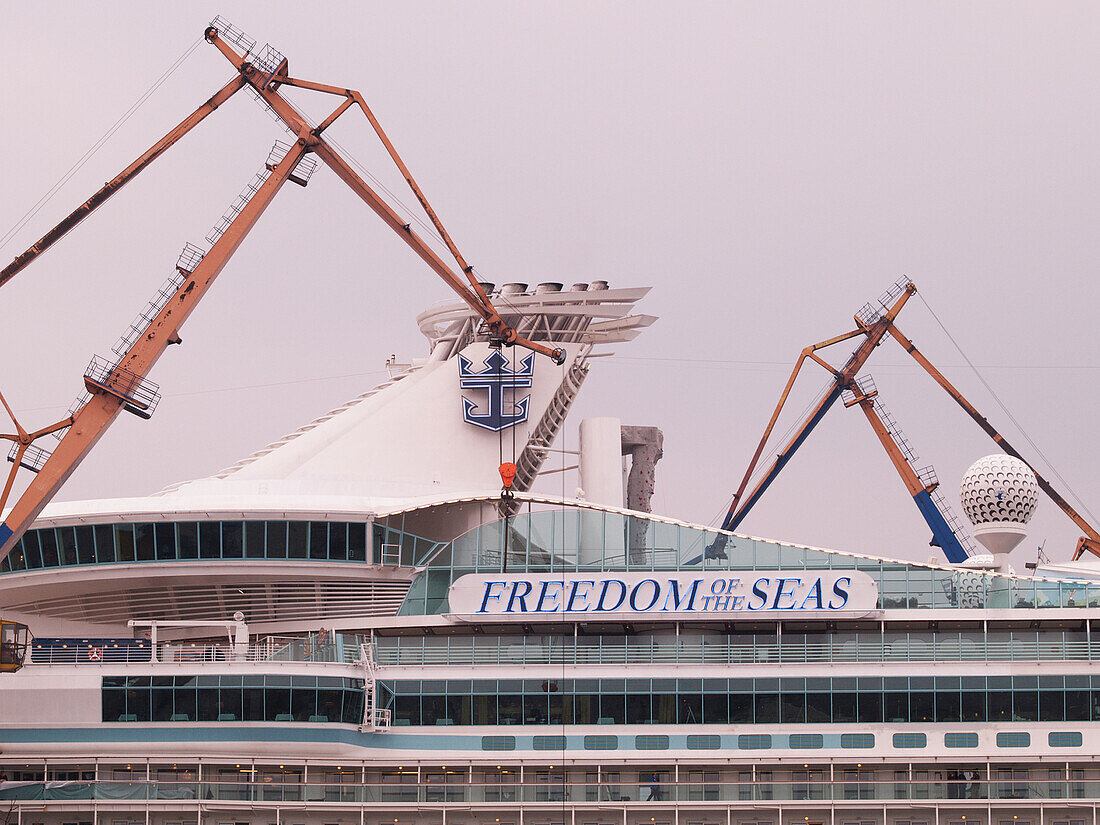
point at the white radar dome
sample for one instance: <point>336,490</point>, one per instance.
<point>999,494</point>
<point>999,488</point>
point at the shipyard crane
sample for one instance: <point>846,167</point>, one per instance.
<point>874,322</point>
<point>121,383</point>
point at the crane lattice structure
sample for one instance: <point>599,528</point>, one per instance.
<point>874,322</point>
<point>122,383</point>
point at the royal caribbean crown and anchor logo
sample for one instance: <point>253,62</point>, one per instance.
<point>497,379</point>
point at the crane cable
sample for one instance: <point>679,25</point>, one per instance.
<point>1005,410</point>
<point>7,237</point>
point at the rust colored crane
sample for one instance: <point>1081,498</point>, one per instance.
<point>874,323</point>
<point>122,384</point>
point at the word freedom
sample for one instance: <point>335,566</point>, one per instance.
<point>637,593</point>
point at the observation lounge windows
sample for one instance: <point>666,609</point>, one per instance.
<point>229,698</point>
<point>211,540</point>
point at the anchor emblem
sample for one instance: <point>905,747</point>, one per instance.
<point>495,379</point>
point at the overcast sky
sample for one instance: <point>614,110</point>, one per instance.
<point>766,167</point>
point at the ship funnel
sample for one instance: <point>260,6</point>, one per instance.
<point>513,289</point>
<point>595,285</point>
<point>548,286</point>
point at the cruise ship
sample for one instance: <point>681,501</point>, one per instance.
<point>358,624</point>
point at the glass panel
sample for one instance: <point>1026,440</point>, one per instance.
<point>277,539</point>
<point>165,542</point>
<point>210,539</point>
<point>232,540</point>
<point>254,547</point>
<point>297,544</point>
<point>318,540</point>
<point>188,540</point>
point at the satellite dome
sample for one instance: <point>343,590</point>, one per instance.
<point>999,488</point>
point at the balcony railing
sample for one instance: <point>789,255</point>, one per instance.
<point>872,649</point>
<point>392,790</point>
<point>313,648</point>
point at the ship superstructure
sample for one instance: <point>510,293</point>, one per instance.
<point>311,637</point>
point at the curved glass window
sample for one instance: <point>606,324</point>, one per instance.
<point>245,698</point>
<point>50,547</point>
<point>574,539</point>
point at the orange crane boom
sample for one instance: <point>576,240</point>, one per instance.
<point>874,327</point>
<point>122,384</point>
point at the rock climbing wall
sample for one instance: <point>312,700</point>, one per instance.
<point>645,446</point>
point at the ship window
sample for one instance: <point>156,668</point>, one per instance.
<point>910,740</point>
<point>189,540</point>
<point>48,539</point>
<point>357,542</point>
<point>754,741</point>
<point>32,558</point>
<point>210,540</point>
<point>254,539</point>
<point>844,707</point>
<point>601,743</point>
<point>66,537</point>
<point>232,540</point>
<point>806,740</point>
<point>318,540</point>
<point>704,741</point>
<point>1013,739</point>
<point>338,541</point>
<point>297,542</point>
<point>197,698</point>
<point>857,740</point>
<point>1064,739</point>
<point>144,542</point>
<point>499,743</point>
<point>549,743</point>
<point>104,543</point>
<point>651,742</point>
<point>276,539</point>
<point>165,541</point>
<point>960,740</point>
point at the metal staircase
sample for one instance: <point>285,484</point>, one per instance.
<point>865,385</point>
<point>928,478</point>
<point>531,459</point>
<point>375,719</point>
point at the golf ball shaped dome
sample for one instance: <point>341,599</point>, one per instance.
<point>999,488</point>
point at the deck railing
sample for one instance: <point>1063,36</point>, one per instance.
<point>329,648</point>
<point>862,650</point>
<point>454,788</point>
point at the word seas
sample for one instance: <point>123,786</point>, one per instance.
<point>676,595</point>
